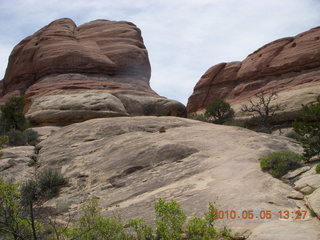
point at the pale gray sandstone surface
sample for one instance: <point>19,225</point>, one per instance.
<point>127,163</point>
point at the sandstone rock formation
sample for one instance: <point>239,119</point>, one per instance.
<point>127,163</point>
<point>291,66</point>
<point>70,74</point>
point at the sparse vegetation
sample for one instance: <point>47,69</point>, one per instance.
<point>19,138</point>
<point>280,163</point>
<point>318,168</point>
<point>262,108</point>
<point>200,117</point>
<point>14,124</point>
<point>13,225</point>
<point>49,182</point>
<point>308,126</point>
<point>92,225</point>
<point>12,116</point>
<point>312,213</point>
<point>294,135</point>
<point>3,140</point>
<point>171,221</point>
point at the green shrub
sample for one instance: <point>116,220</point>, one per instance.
<point>33,160</point>
<point>141,230</point>
<point>308,126</point>
<point>318,168</point>
<point>31,137</point>
<point>29,192</point>
<point>13,225</point>
<point>280,163</point>
<point>16,138</point>
<point>170,219</point>
<point>49,181</point>
<point>92,225</point>
<point>219,111</point>
<point>200,117</point>
<point>12,116</point>
<point>198,229</point>
<point>312,213</point>
<point>19,138</point>
<point>3,140</point>
<point>294,135</point>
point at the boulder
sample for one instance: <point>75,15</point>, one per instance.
<point>290,66</point>
<point>104,62</point>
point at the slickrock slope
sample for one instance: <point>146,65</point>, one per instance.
<point>127,163</point>
<point>290,66</point>
<point>70,74</point>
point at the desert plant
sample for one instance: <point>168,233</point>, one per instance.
<point>280,163</point>
<point>12,223</point>
<point>21,138</point>
<point>92,225</point>
<point>219,111</point>
<point>294,135</point>
<point>203,228</point>
<point>12,116</point>
<point>16,138</point>
<point>197,227</point>
<point>33,160</point>
<point>200,117</point>
<point>50,180</point>
<point>29,191</point>
<point>308,126</point>
<point>3,140</point>
<point>170,219</point>
<point>31,137</point>
<point>142,231</point>
<point>262,107</point>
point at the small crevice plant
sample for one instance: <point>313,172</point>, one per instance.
<point>280,163</point>
<point>308,126</point>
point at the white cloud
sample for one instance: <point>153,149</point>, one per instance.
<point>184,37</point>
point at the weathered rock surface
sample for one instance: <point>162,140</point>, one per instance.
<point>313,201</point>
<point>295,173</point>
<point>313,181</point>
<point>100,61</point>
<point>15,163</point>
<point>128,163</point>
<point>291,66</point>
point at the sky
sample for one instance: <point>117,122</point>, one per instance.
<point>183,37</point>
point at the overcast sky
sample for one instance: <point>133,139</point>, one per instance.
<point>183,37</point>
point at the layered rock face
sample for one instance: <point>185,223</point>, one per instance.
<point>70,74</point>
<point>290,66</point>
<point>128,163</point>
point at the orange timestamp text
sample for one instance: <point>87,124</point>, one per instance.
<point>261,214</point>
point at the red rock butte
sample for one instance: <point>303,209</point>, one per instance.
<point>70,74</point>
<point>290,66</point>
